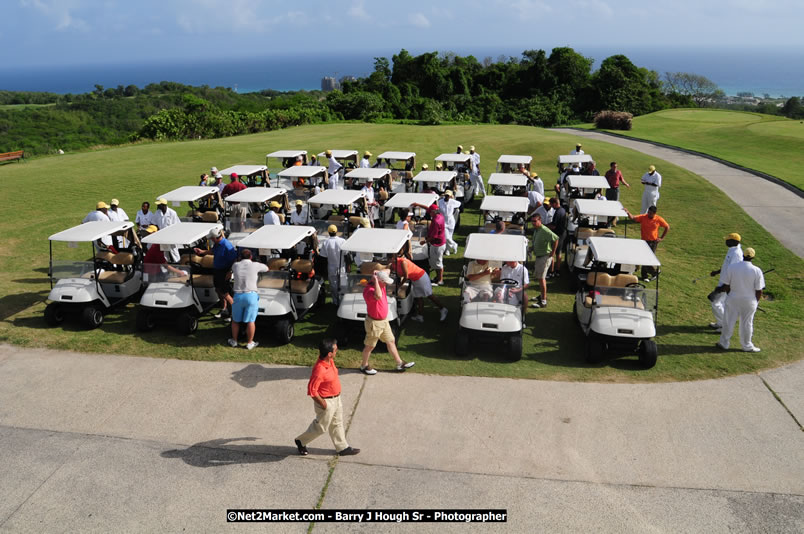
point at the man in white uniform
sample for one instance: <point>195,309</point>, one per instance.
<point>448,205</point>
<point>163,218</point>
<point>718,296</point>
<point>577,150</point>
<point>652,181</point>
<point>336,261</point>
<point>535,183</point>
<point>145,217</point>
<point>475,176</point>
<point>100,213</point>
<point>372,205</point>
<point>744,283</point>
<point>116,213</point>
<point>334,171</point>
<point>365,163</point>
<point>272,215</point>
<point>299,215</point>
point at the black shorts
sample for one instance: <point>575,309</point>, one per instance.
<point>222,282</point>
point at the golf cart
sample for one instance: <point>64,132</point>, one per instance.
<point>615,311</point>
<point>402,174</point>
<point>90,289</point>
<point>511,210</point>
<point>460,163</point>
<point>502,184</point>
<point>487,309</point>
<point>205,202</point>
<point>287,158</point>
<point>508,164</point>
<point>246,210</point>
<point>357,178</point>
<point>382,245</point>
<point>347,159</point>
<point>251,175</point>
<point>436,181</point>
<point>418,224</point>
<point>303,180</point>
<point>581,186</point>
<point>589,218</point>
<point>291,289</point>
<point>178,292</point>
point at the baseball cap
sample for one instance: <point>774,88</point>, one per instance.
<point>115,202</point>
<point>332,229</point>
<point>578,144</point>
<point>460,147</point>
<point>367,153</point>
<point>274,204</point>
<point>299,203</point>
<point>735,236</point>
<point>382,275</point>
<point>534,175</point>
<point>652,168</point>
<point>472,148</point>
<point>749,253</point>
<point>151,228</point>
<point>214,233</point>
<point>101,205</point>
<point>233,175</point>
<point>160,201</point>
<point>448,193</point>
<point>328,153</point>
<point>425,167</point>
<point>213,170</point>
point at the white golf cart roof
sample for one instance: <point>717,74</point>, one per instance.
<point>405,200</point>
<point>514,160</point>
<point>338,197</point>
<point>243,170</point>
<point>496,247</point>
<point>365,174</point>
<point>588,182</point>
<point>284,154</point>
<point>339,154</point>
<point>275,236</point>
<point>435,176</point>
<point>181,234</point>
<point>504,203</point>
<point>600,208</point>
<point>622,251</point>
<point>575,158</point>
<point>397,155</point>
<point>302,171</point>
<point>189,193</point>
<point>255,194</point>
<point>91,231</point>
<point>454,158</point>
<point>377,240</point>
<point>500,178</point>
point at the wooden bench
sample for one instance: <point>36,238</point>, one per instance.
<point>11,156</point>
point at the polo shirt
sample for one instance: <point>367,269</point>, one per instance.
<point>232,188</point>
<point>650,227</point>
<point>744,280</point>
<point>543,237</point>
<point>559,220</point>
<point>377,309</point>
<point>324,381</point>
<point>225,255</point>
<point>245,274</point>
<point>435,232</point>
<point>614,178</point>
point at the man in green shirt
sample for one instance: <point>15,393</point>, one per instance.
<point>544,244</point>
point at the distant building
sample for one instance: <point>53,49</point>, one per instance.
<point>328,83</point>
<point>348,79</point>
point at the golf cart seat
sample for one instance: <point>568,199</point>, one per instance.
<point>112,277</point>
<point>336,219</point>
<point>623,280</point>
<point>303,276</point>
<point>189,258</point>
<point>368,267</point>
<point>104,256</point>
<point>271,283</point>
<point>209,216</point>
<point>123,258</point>
<point>603,281</point>
<point>604,232</point>
<point>208,261</point>
<point>584,233</point>
<point>277,264</point>
<point>489,227</point>
<point>357,222</point>
<point>599,279</point>
<point>203,280</point>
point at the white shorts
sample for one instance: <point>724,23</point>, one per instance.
<point>422,287</point>
<point>437,256</point>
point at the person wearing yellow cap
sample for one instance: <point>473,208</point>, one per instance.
<point>365,163</point>
<point>100,213</point>
<point>425,166</point>
<point>743,283</point>
<point>299,214</point>
<point>331,249</point>
<point>474,173</point>
<point>718,296</point>
<point>534,183</point>
<point>272,215</point>
<point>578,150</point>
<point>164,217</point>
<point>116,213</point>
<point>652,181</point>
<point>334,171</point>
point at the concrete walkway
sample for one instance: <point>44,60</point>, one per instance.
<point>777,209</point>
<point>100,443</point>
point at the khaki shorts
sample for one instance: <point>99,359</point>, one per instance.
<point>541,265</point>
<point>378,331</point>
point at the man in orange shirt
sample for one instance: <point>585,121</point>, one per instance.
<point>325,389</point>
<point>649,224</point>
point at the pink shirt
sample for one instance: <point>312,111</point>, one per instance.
<point>377,309</point>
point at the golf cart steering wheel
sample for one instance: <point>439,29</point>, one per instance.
<point>509,282</point>
<point>636,284</point>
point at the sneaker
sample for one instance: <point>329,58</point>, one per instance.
<point>232,342</point>
<point>715,326</point>
<point>368,370</point>
<point>752,349</point>
<point>448,253</point>
<point>534,299</point>
<point>405,365</point>
<point>647,279</point>
<point>542,303</point>
<point>251,345</point>
<point>444,313</point>
<point>223,314</point>
<point>719,346</point>
<point>549,276</point>
<point>349,451</point>
<point>302,449</point>
<point>535,305</point>
<point>418,318</point>
<point>440,283</point>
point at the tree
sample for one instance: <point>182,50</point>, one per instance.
<point>699,88</point>
<point>793,108</point>
<point>620,85</point>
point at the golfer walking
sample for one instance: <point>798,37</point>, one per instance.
<point>744,283</point>
<point>377,326</point>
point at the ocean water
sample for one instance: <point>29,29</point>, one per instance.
<point>760,71</point>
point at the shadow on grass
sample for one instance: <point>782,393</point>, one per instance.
<point>13,304</point>
<point>223,452</point>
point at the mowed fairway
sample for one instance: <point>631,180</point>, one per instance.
<point>47,195</point>
<point>765,143</point>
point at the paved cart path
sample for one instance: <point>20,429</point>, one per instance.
<point>106,443</point>
<point>779,210</point>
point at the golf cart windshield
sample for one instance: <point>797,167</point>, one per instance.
<point>172,273</point>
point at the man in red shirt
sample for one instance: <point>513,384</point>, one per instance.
<point>437,239</point>
<point>235,186</point>
<point>649,224</point>
<point>614,177</point>
<point>325,389</point>
<point>377,326</point>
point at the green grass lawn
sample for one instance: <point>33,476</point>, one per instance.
<point>765,143</point>
<point>47,195</point>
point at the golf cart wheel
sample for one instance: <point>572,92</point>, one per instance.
<point>648,353</point>
<point>146,320</point>
<point>594,348</point>
<point>284,331</point>
<point>515,347</point>
<point>186,323</point>
<point>54,314</point>
<point>462,342</point>
<point>92,317</point>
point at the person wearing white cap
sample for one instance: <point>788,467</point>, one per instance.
<point>652,181</point>
<point>116,213</point>
<point>448,205</point>
<point>365,163</point>
<point>164,217</point>
<point>100,213</point>
<point>377,326</point>
<point>371,202</point>
<point>718,296</point>
<point>336,261</point>
<point>334,171</point>
<point>474,172</point>
<point>744,283</point>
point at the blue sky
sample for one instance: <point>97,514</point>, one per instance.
<point>74,32</point>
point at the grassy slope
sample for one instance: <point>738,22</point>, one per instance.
<point>49,194</point>
<point>765,143</point>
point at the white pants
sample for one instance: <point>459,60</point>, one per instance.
<point>650,197</point>
<point>477,183</point>
<point>452,246</point>
<point>744,310</point>
<point>334,276</point>
<point>719,307</point>
<point>334,181</point>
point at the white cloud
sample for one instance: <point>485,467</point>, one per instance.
<point>203,16</point>
<point>358,11</point>
<point>529,9</point>
<point>594,8</point>
<point>60,12</point>
<point>419,20</point>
